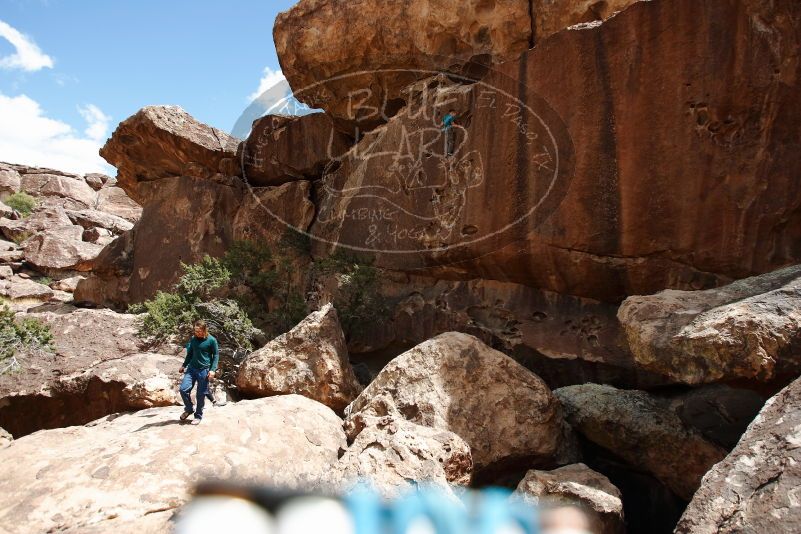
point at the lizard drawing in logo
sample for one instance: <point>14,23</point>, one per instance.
<point>449,201</point>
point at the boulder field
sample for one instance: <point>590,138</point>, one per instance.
<point>588,285</point>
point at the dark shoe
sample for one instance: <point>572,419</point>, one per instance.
<point>185,415</point>
<point>195,421</point>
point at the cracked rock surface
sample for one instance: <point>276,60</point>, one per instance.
<point>757,487</point>
<point>118,472</point>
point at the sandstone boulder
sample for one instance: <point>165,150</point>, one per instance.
<point>12,256</point>
<point>748,329</point>
<point>65,187</point>
<point>284,148</point>
<point>88,375</point>
<point>756,487</point>
<point>576,484</point>
<point>563,339</point>
<point>139,263</point>
<point>50,241</point>
<point>394,455</point>
<point>23,169</point>
<point>643,431</point>
<point>128,383</point>
<point>113,200</point>
<point>97,180</point>
<point>720,412</point>
<point>16,288</point>
<point>515,417</point>
<point>107,284</point>
<point>59,297</point>
<point>60,249</point>
<point>5,438</point>
<point>10,181</point>
<point>6,211</point>
<point>593,170</point>
<point>162,141</point>
<point>267,214</point>
<point>132,472</point>
<point>95,218</point>
<point>43,219</point>
<point>98,236</point>
<point>309,360</point>
<point>353,58</point>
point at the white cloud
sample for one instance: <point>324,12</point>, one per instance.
<point>28,137</point>
<point>269,79</point>
<point>27,55</point>
<point>96,122</point>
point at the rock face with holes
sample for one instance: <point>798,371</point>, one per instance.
<point>162,141</point>
<point>576,484</point>
<point>270,155</point>
<point>584,157</point>
<point>750,329</point>
<point>515,419</point>
<point>642,430</point>
<point>565,340</point>
<point>756,487</point>
<point>309,360</point>
<point>238,440</point>
<point>394,455</point>
<point>99,366</point>
<point>353,58</point>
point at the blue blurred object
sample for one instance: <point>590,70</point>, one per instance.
<point>427,510</point>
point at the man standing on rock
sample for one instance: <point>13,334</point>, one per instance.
<point>200,364</point>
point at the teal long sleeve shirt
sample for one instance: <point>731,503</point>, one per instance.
<point>202,353</point>
<point>447,122</point>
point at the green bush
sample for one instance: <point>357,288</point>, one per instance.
<point>202,279</point>
<point>232,324</point>
<point>358,300</point>
<point>20,237</point>
<point>235,291</point>
<point>17,337</point>
<point>168,315</point>
<point>295,241</point>
<point>249,264</point>
<point>205,291</point>
<point>22,202</point>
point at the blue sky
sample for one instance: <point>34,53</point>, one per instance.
<point>70,68</point>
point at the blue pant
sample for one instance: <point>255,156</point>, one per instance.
<point>192,375</point>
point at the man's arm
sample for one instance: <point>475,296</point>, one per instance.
<point>188,354</point>
<point>215,359</point>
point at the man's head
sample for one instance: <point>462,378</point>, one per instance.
<point>201,330</point>
<point>452,111</point>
